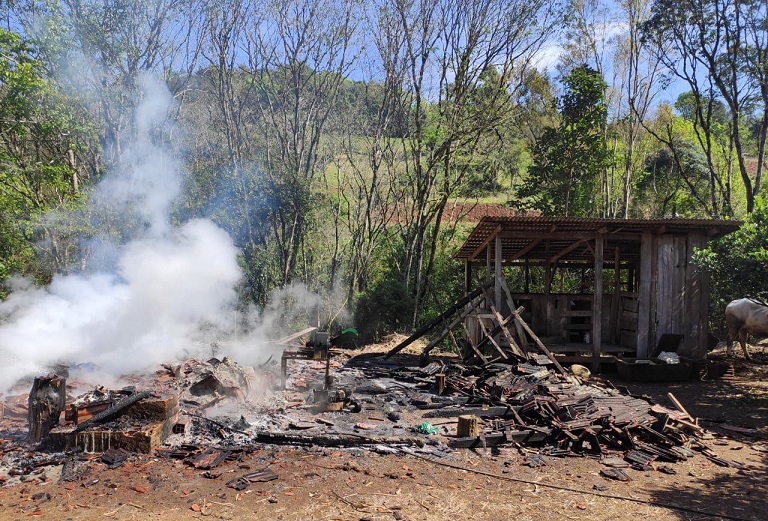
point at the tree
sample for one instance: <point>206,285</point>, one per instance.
<point>737,263</point>
<point>223,112</point>
<point>672,181</point>
<point>436,60</point>
<point>569,159</point>
<point>704,123</point>
<point>97,49</point>
<point>637,71</point>
<point>300,53</point>
<point>42,133</point>
<point>718,48</point>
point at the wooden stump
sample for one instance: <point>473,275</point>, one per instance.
<point>439,383</point>
<point>469,425</point>
<point>46,401</point>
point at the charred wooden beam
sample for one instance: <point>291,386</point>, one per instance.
<point>46,401</point>
<point>334,440</point>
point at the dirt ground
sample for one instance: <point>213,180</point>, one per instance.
<point>493,484</point>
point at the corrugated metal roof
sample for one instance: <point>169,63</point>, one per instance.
<point>536,237</point>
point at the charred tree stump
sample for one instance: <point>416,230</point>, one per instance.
<point>46,401</point>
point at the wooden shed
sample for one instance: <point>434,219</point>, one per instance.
<point>651,295</point>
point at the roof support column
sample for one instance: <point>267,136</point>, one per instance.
<point>498,273</point>
<point>597,304</point>
<point>488,263</point>
<point>467,276</point>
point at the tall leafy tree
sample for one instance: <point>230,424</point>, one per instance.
<point>43,134</point>
<point>437,60</point>
<point>99,48</point>
<point>299,54</point>
<point>719,49</point>
<point>569,159</point>
<point>737,263</point>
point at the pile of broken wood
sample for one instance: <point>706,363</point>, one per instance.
<point>546,413</point>
<point>506,338</point>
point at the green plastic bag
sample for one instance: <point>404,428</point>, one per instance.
<point>428,428</point>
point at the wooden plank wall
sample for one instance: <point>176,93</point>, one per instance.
<point>628,321</point>
<point>645,287</point>
<point>696,304</point>
<point>680,301</point>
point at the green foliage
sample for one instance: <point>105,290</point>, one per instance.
<point>737,264</point>
<point>39,131</point>
<point>570,158</point>
<point>662,183</point>
<point>385,307</point>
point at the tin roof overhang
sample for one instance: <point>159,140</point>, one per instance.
<point>568,239</point>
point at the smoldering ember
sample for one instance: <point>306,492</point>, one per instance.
<point>509,400</point>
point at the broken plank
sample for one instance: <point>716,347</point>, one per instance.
<point>483,412</point>
<point>511,304</point>
<point>429,326</point>
<point>538,342</point>
<point>493,439</point>
<point>458,320</point>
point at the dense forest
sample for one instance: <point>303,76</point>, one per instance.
<point>331,139</point>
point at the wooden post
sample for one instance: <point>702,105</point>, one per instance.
<point>644,296</point>
<point>497,272</point>
<point>469,425</point>
<point>597,305</point>
<point>616,300</point>
<point>46,401</point>
<point>440,383</point>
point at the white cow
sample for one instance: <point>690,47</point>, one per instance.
<point>745,317</point>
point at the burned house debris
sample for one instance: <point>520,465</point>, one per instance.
<point>205,413</point>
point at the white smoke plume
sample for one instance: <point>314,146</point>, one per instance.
<point>166,293</point>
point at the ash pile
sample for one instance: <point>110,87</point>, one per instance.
<point>46,431</point>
